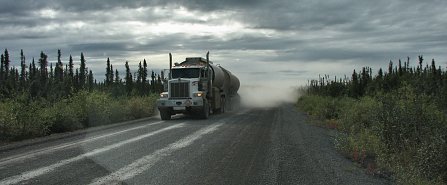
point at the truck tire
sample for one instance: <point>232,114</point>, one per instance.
<point>205,110</point>
<point>234,103</point>
<point>230,104</point>
<point>165,114</point>
<point>221,109</point>
<point>223,105</point>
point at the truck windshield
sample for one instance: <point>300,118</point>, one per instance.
<point>186,73</point>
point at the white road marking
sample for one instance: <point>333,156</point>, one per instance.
<point>44,170</point>
<point>51,149</point>
<point>146,162</point>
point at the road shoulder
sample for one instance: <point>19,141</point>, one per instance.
<point>308,153</point>
<point>23,143</point>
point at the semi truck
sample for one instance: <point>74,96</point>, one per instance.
<point>198,87</point>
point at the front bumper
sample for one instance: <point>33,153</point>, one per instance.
<point>164,103</point>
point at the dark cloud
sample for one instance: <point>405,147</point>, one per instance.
<point>292,73</point>
<point>343,31</point>
<point>20,7</point>
<point>92,47</point>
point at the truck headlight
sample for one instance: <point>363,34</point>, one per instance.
<point>164,95</point>
<point>198,94</point>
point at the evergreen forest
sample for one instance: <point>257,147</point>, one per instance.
<point>38,98</point>
<point>393,122</point>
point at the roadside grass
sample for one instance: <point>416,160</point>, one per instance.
<point>23,119</point>
<point>399,134</point>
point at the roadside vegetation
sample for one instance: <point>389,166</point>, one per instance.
<point>392,123</point>
<point>37,99</point>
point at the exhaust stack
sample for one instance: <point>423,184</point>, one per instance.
<point>170,66</point>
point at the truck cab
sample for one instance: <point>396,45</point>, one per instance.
<point>196,87</point>
<point>186,90</point>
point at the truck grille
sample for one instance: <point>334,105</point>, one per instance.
<point>179,90</point>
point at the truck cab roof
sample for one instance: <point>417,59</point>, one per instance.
<point>194,61</point>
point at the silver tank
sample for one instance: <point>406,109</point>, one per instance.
<point>222,78</point>
<point>225,80</point>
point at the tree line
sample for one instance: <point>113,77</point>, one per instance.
<point>394,121</point>
<point>41,79</point>
<point>427,79</point>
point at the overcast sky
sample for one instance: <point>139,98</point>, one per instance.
<point>274,40</point>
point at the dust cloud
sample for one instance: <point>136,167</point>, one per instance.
<point>267,95</point>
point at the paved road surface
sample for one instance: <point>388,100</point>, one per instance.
<point>253,146</point>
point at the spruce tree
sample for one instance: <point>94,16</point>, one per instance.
<point>67,86</point>
<point>16,79</point>
<point>390,67</point>
<point>355,85</point>
<point>139,75</point>
<point>82,72</point>
<point>2,70</point>
<point>107,80</point>
<point>144,76</point>
<point>43,77</point>
<point>66,71</point>
<point>117,76</point>
<point>153,82</point>
<point>380,74</point>
<point>2,78</point>
<point>22,70</point>
<point>32,71</point>
<point>421,59</point>
<point>59,71</point>
<point>71,69</point>
<point>76,80</point>
<point>51,74</point>
<point>6,62</point>
<point>90,80</point>
<point>129,84</point>
<point>111,74</point>
<point>43,62</point>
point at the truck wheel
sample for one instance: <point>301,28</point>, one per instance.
<point>221,109</point>
<point>230,105</point>
<point>223,105</point>
<point>165,114</point>
<point>205,110</point>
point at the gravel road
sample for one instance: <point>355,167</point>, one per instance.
<point>251,146</point>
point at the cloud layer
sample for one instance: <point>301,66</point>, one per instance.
<point>286,40</point>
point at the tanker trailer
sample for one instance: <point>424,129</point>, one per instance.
<point>197,87</point>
